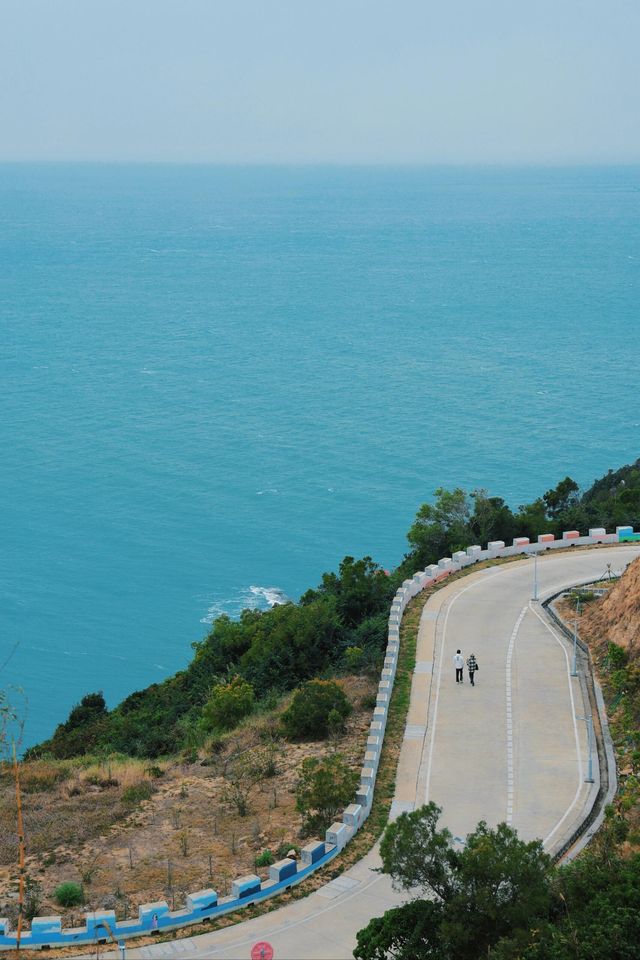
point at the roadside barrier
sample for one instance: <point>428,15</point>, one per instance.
<point>102,926</point>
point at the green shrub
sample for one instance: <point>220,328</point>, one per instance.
<point>616,656</point>
<point>324,787</point>
<point>68,894</point>
<point>228,704</point>
<point>284,848</point>
<point>134,795</point>
<point>265,859</point>
<point>353,658</point>
<point>308,714</point>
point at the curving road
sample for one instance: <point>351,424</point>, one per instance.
<point>509,748</point>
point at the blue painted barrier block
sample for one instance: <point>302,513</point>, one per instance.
<point>202,900</point>
<point>100,924</point>
<point>283,869</point>
<point>45,928</point>
<point>153,915</point>
<point>245,886</point>
<point>312,852</point>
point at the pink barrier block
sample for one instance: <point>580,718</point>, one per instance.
<point>546,538</point>
<point>521,541</point>
<point>570,534</point>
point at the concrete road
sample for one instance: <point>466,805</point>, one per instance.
<point>508,749</point>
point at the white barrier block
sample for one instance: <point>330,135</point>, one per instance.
<point>364,796</point>
<point>496,545</point>
<point>368,776</point>
<point>474,551</point>
<point>338,835</point>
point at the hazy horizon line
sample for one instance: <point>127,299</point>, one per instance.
<point>370,164</point>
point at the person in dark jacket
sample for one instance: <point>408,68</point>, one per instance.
<point>472,666</point>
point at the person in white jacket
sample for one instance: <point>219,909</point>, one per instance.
<point>458,662</point>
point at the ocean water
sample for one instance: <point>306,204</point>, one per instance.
<point>217,382</point>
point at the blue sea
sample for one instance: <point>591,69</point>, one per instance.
<point>216,382</point>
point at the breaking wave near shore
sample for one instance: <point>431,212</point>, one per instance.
<point>251,598</point>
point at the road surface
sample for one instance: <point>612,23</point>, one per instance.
<point>508,749</point>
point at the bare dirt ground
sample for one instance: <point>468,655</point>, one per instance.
<point>82,826</point>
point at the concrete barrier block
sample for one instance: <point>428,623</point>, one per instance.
<point>432,571</point>
<point>312,852</point>
<point>597,532</point>
<point>368,776</point>
<point>444,564</point>
<point>374,743</point>
<point>101,923</point>
<point>388,673</point>
<point>372,758</point>
<point>245,887</point>
<point>571,535</point>
<point>202,900</point>
<point>382,698</point>
<point>385,686</point>
<point>546,538</point>
<point>353,815</point>
<point>283,869</point>
<point>474,551</point>
<point>46,927</point>
<point>146,911</point>
<point>338,835</point>
<point>496,545</point>
<point>521,541</point>
<point>364,795</point>
<point>376,729</point>
<point>380,713</point>
<point>460,556</point>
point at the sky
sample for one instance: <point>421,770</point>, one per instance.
<point>320,81</point>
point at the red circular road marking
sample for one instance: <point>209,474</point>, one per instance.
<point>262,951</point>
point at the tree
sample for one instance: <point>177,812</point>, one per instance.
<point>492,519</point>
<point>410,932</point>
<point>228,704</point>
<point>361,590</point>
<point>559,499</point>
<point>312,705</point>
<point>531,519</point>
<point>495,885</point>
<point>440,528</point>
<point>324,787</point>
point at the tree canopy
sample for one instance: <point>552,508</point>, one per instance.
<point>488,888</point>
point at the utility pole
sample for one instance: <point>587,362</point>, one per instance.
<point>589,723</point>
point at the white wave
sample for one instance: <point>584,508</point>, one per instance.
<point>254,598</point>
<point>274,596</point>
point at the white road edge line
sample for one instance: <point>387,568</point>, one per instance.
<point>510,776</point>
<point>575,726</point>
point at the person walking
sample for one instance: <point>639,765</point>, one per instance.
<point>472,666</point>
<point>458,662</point>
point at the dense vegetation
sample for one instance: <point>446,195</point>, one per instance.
<point>498,897</point>
<point>339,626</point>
